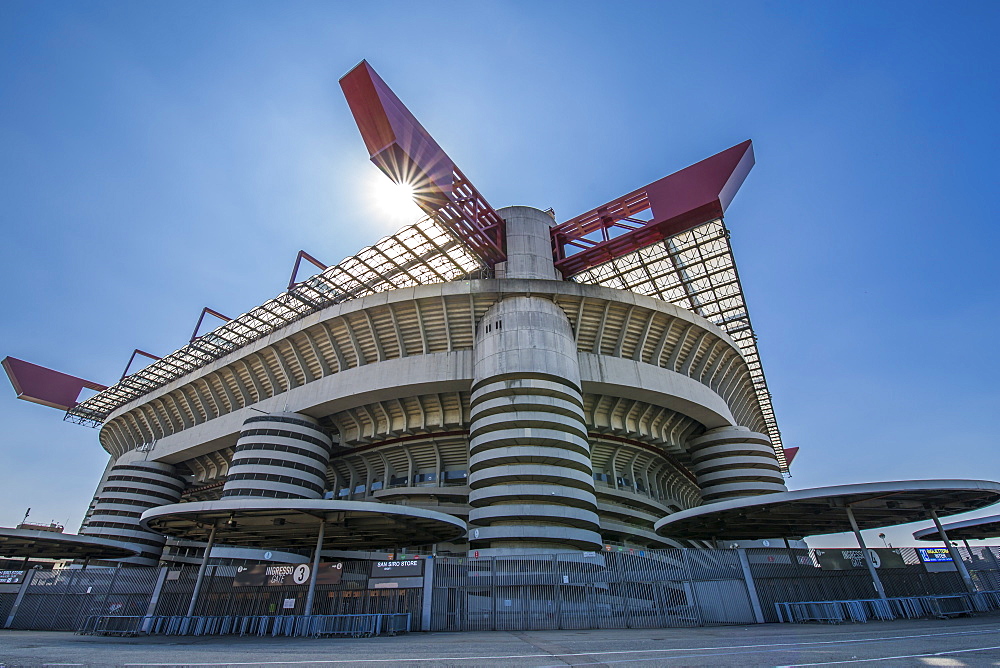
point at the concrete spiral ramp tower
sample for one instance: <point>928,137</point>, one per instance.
<point>279,456</point>
<point>732,462</point>
<point>132,486</point>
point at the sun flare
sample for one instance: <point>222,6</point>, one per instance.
<point>394,201</point>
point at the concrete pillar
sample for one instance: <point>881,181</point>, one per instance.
<point>731,462</point>
<point>279,455</point>
<point>132,486</point>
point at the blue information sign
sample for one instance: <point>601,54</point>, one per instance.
<point>932,554</point>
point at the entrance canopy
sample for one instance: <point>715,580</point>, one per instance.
<point>20,543</point>
<point>980,528</point>
<point>294,524</point>
<point>821,510</point>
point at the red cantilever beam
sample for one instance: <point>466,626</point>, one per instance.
<point>790,455</point>
<point>685,199</point>
<point>295,269</point>
<point>45,386</point>
<point>406,152</point>
<point>206,311</point>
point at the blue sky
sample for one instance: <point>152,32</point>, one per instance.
<point>157,158</point>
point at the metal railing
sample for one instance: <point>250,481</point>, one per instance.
<point>355,626</point>
<point>907,607</point>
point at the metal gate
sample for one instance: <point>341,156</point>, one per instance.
<point>591,590</point>
<point>59,600</point>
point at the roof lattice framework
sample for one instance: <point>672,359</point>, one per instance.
<point>418,254</point>
<point>695,270</point>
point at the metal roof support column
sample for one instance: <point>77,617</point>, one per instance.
<point>993,557</point>
<point>315,569</point>
<point>154,599</point>
<point>201,572</point>
<point>28,575</point>
<point>864,552</point>
<point>955,556</point>
<point>426,606</point>
<point>758,614</point>
<point>689,576</point>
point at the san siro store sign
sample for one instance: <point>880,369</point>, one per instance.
<point>845,560</point>
<point>277,575</point>
<point>11,577</point>
<point>402,574</point>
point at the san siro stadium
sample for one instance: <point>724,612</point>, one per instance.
<point>495,418</point>
<point>544,386</point>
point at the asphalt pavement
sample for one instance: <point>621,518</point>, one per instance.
<point>956,642</point>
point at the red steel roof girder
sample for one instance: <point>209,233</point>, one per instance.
<point>678,202</point>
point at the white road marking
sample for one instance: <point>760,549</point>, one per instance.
<point>763,647</point>
<point>893,658</point>
<point>699,655</point>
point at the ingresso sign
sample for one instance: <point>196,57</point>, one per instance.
<point>845,560</point>
<point>275,575</point>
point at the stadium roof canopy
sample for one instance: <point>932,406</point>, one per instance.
<point>293,524</point>
<point>979,528</point>
<point>18,543</point>
<point>821,510</point>
<point>694,270</point>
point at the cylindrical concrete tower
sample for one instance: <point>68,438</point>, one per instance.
<point>530,477</point>
<point>279,456</point>
<point>732,462</point>
<point>529,244</point>
<point>131,487</point>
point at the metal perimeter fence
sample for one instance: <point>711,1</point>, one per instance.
<point>621,588</point>
<point>783,575</point>
<point>584,590</point>
<point>64,599</point>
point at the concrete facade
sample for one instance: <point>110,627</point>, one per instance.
<point>550,415</point>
